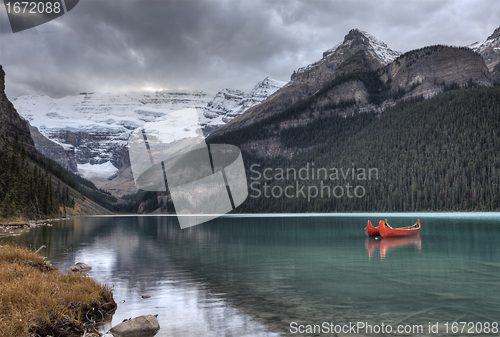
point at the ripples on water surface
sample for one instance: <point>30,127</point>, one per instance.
<point>253,276</point>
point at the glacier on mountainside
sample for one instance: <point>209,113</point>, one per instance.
<point>96,126</point>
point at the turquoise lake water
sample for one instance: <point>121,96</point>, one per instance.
<point>274,275</point>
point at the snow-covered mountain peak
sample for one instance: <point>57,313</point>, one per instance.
<point>354,41</point>
<point>496,34</point>
<point>224,102</point>
<point>375,47</point>
<point>489,49</point>
<point>229,103</point>
<point>379,49</point>
<point>492,42</point>
<point>265,88</point>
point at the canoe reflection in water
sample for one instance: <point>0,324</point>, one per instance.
<point>387,244</point>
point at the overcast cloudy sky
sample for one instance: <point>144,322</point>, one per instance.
<point>125,45</point>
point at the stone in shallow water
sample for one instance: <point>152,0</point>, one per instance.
<point>142,326</point>
<point>81,267</point>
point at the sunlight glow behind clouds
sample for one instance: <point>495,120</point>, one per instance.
<point>121,45</point>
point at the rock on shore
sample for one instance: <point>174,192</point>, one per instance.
<point>142,326</point>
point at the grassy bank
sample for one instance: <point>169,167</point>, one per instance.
<point>37,299</point>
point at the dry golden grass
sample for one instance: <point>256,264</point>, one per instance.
<point>38,299</point>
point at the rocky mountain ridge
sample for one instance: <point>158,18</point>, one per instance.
<point>11,124</point>
<point>358,51</point>
<point>50,149</point>
<point>363,74</point>
<point>425,71</point>
<point>489,49</point>
<point>359,82</point>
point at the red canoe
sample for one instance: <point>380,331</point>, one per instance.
<point>370,230</point>
<point>387,231</point>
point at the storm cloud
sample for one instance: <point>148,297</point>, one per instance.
<point>127,45</point>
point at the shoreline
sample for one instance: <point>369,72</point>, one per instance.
<point>79,304</point>
<point>19,225</point>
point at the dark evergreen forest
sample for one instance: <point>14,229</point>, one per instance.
<point>33,186</point>
<point>439,154</point>
<point>27,190</point>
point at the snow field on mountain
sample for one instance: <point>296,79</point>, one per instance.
<point>97,171</point>
<point>96,125</point>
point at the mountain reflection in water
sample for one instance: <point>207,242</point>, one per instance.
<point>253,276</point>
